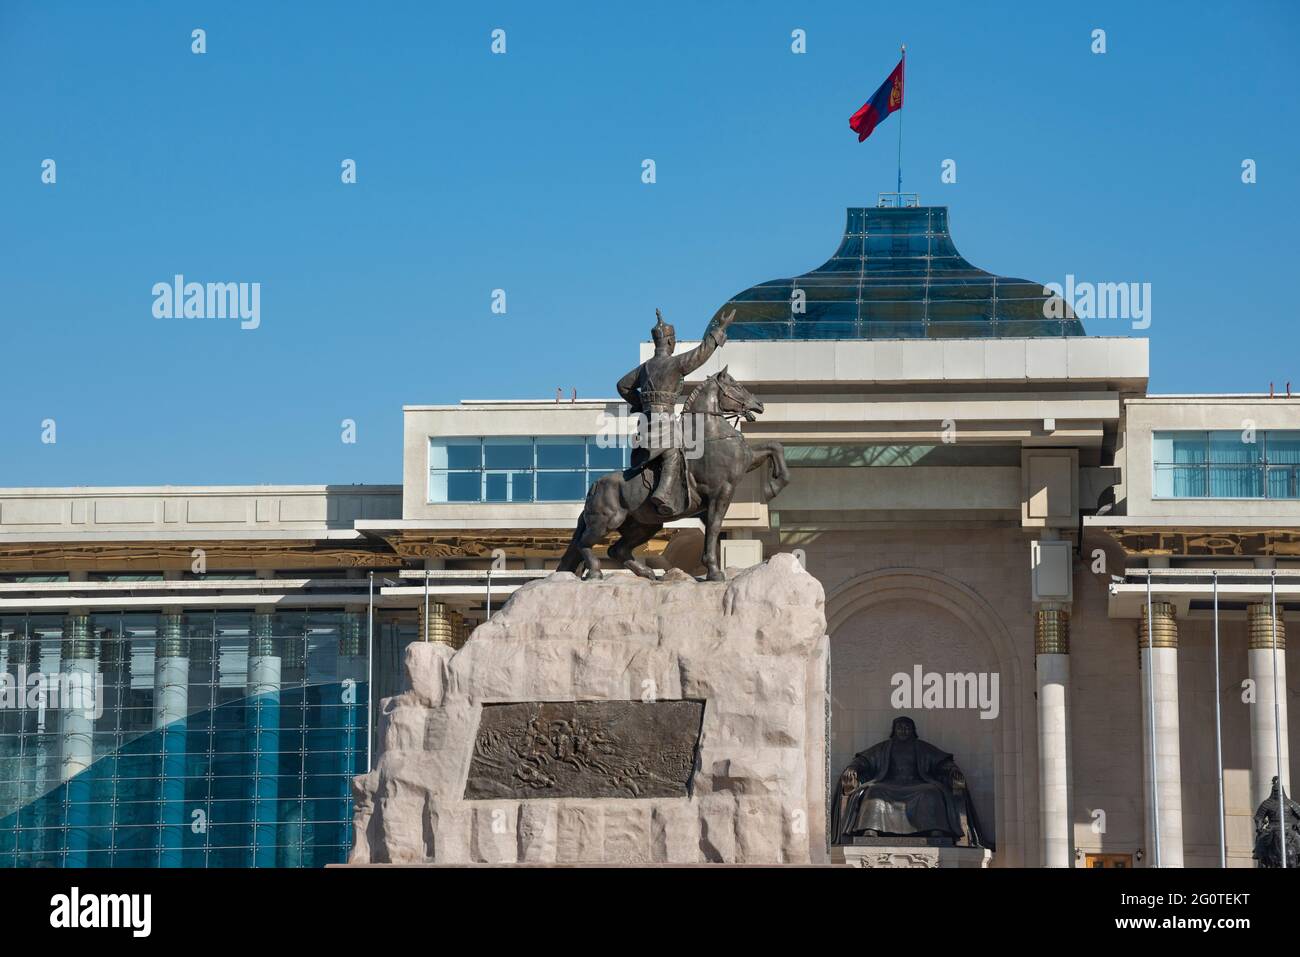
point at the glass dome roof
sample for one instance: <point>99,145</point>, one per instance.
<point>897,275</point>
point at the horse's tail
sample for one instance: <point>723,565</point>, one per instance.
<point>778,476</point>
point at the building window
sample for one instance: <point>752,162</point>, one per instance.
<point>544,468</point>
<point>1225,464</point>
<point>455,470</point>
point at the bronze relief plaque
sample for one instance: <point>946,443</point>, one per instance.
<point>585,749</point>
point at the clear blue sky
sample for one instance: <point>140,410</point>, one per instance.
<point>522,172</point>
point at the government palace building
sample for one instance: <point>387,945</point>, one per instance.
<point>983,488</point>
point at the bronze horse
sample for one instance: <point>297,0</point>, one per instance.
<point>619,502</point>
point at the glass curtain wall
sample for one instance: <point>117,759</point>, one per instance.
<point>212,738</point>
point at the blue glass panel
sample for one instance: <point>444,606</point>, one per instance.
<point>133,833</point>
<point>1171,481</point>
<point>1284,481</point>
<point>561,451</point>
<point>219,856</point>
<point>455,486</point>
<point>1236,482</point>
<point>455,453</point>
<point>1283,448</point>
<point>1179,448</point>
<point>561,486</point>
<point>135,858</point>
<point>1235,448</point>
<point>508,486</point>
<point>507,452</point>
<point>606,459</point>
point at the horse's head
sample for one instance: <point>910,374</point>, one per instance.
<point>734,398</point>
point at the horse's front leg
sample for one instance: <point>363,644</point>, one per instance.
<point>771,454</point>
<point>718,505</point>
<point>777,453</point>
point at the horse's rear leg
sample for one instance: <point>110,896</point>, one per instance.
<point>602,514</point>
<point>572,556</point>
<point>591,536</point>
<point>633,535</point>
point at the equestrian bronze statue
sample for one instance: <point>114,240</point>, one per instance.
<point>670,477</point>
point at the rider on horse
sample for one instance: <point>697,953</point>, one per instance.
<point>651,389</point>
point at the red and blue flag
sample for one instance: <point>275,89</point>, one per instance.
<point>886,99</point>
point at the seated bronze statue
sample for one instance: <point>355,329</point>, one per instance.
<point>904,787</point>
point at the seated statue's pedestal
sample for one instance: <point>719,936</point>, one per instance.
<point>620,721</point>
<point>909,852</point>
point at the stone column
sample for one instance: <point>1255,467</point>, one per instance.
<point>171,698</point>
<point>264,700</point>
<point>355,691</point>
<point>78,690</point>
<point>1158,644</point>
<point>1264,717</point>
<point>1052,665</point>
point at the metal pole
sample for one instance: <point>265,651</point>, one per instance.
<point>425,636</point>
<point>903,77</point>
<point>1277,723</point>
<point>370,671</point>
<point>489,593</point>
<point>1218,726</point>
<point>1151,707</point>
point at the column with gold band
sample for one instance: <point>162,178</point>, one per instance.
<point>263,684</point>
<point>1267,717</point>
<point>1052,668</point>
<point>352,673</point>
<point>1158,653</point>
<point>439,625</point>
<point>171,702</point>
<point>80,676</point>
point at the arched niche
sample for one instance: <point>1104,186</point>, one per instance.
<point>890,620</point>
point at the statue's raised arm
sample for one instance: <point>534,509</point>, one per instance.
<point>714,335</point>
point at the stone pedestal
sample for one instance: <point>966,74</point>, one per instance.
<point>616,779</point>
<point>911,855</point>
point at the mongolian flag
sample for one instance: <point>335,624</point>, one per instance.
<point>886,99</point>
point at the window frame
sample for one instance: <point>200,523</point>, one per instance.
<point>1262,467</point>
<point>586,470</point>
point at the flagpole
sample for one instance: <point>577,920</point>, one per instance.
<point>900,127</point>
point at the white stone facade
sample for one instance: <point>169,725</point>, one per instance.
<point>963,489</point>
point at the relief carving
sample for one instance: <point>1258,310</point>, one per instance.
<point>555,749</point>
